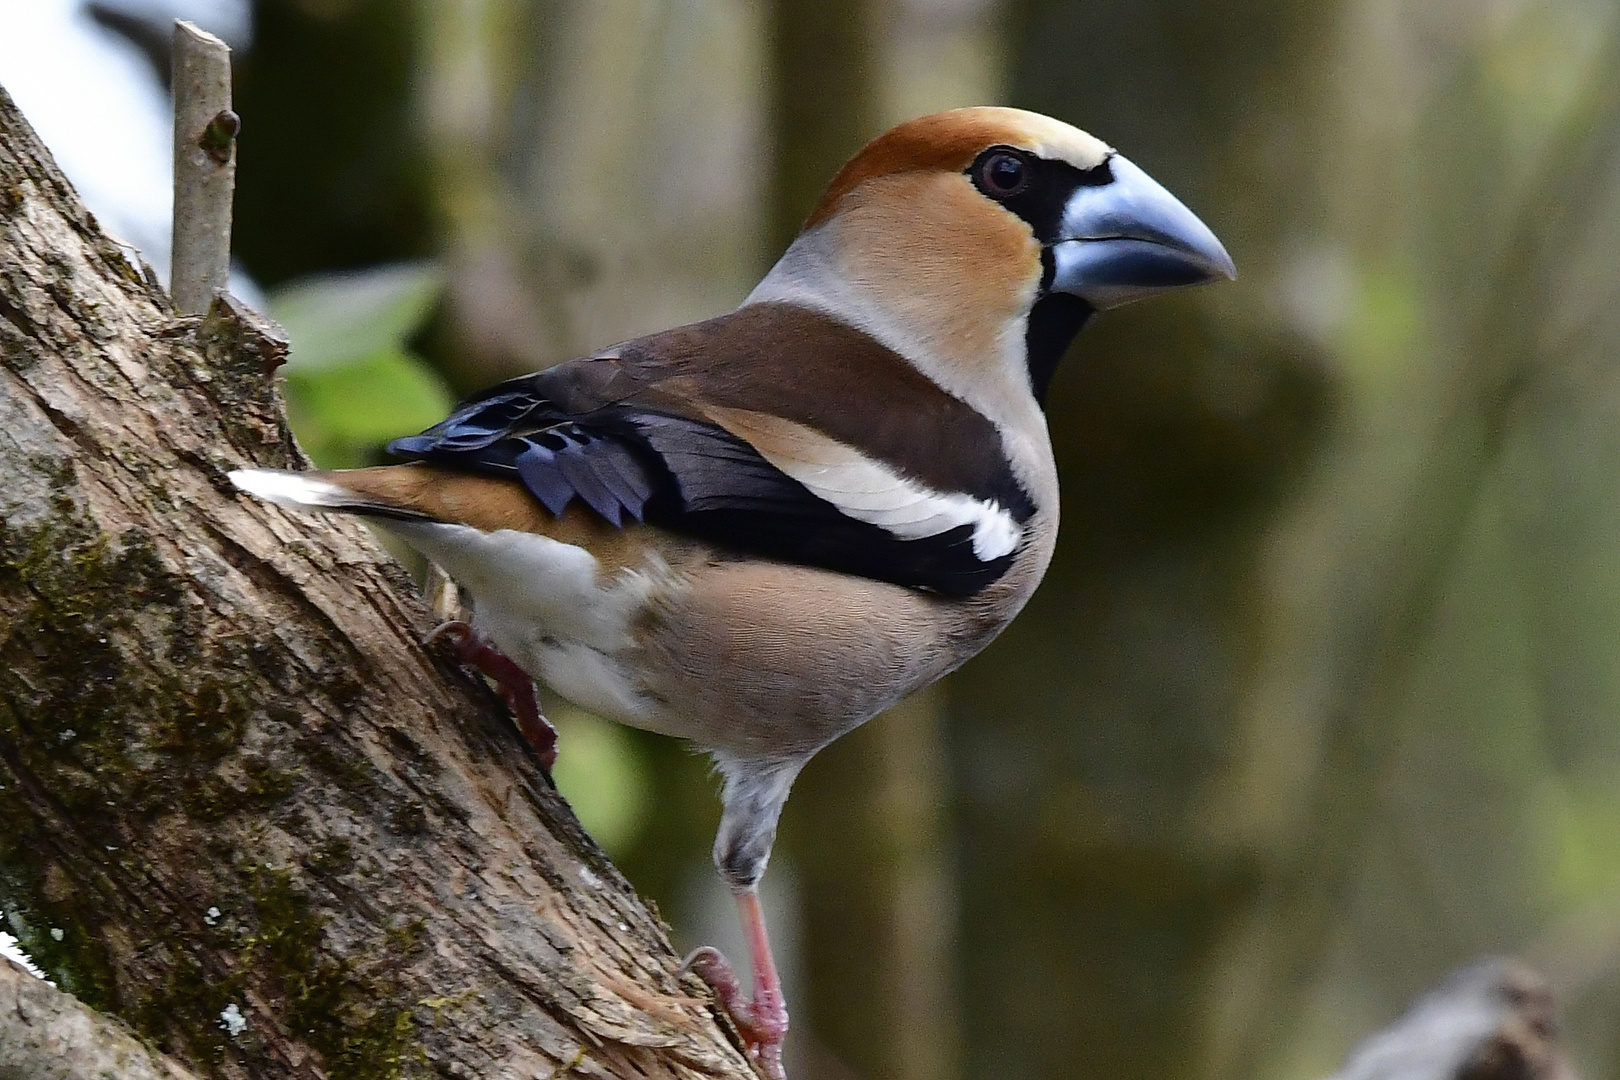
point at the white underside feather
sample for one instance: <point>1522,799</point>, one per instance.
<point>546,605</point>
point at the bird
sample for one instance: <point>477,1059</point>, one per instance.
<point>759,531</point>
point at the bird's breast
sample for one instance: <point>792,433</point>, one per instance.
<point>770,659</point>
<point>751,656</point>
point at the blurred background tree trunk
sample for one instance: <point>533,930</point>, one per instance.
<point>1085,738</point>
<point>1303,753</point>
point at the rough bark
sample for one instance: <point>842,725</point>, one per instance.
<point>229,776</point>
<point>46,1035</point>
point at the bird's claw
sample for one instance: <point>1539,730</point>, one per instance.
<point>456,632</point>
<point>514,683</point>
<point>762,1022</point>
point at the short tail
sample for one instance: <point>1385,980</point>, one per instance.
<point>318,491</point>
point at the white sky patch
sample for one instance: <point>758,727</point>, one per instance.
<point>102,111</point>
<point>11,950</point>
<point>100,107</point>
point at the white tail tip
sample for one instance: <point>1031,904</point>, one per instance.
<point>297,490</point>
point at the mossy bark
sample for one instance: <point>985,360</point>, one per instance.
<point>229,775</point>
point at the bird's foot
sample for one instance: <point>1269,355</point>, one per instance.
<point>762,1022</point>
<point>514,683</point>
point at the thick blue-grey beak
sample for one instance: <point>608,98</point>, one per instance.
<point>1130,239</point>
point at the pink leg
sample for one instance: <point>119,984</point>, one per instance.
<point>514,683</point>
<point>763,1021</point>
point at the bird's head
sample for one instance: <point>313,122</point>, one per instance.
<point>977,242</point>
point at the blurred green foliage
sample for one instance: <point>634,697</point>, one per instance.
<point>602,772</point>
<point>352,381</point>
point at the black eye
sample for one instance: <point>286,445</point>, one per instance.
<point>1002,173</point>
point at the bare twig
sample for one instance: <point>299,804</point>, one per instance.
<point>204,168</point>
<point>47,1035</point>
<point>1491,1021</point>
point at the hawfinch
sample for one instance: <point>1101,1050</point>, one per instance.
<point>759,531</point>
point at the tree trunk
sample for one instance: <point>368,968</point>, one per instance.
<point>240,807</point>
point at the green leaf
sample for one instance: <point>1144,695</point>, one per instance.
<point>341,411</point>
<point>335,319</point>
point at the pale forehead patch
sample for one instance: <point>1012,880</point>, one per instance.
<point>1049,138</point>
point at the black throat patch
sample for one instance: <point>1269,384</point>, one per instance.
<point>1053,323</point>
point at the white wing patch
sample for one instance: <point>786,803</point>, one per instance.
<point>868,490</point>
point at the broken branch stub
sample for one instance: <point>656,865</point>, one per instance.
<point>204,168</point>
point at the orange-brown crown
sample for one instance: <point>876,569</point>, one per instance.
<point>949,141</point>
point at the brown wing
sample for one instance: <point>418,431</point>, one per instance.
<point>920,496</point>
